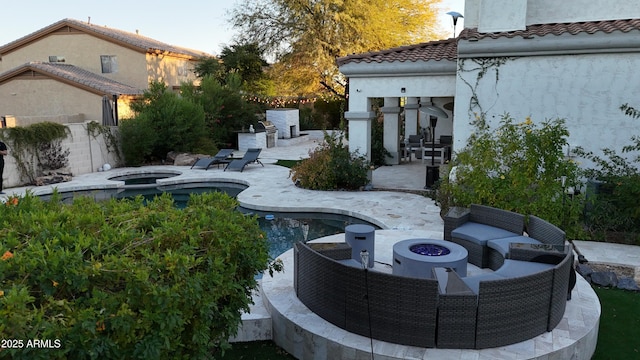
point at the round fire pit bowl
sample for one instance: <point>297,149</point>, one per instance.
<point>417,257</point>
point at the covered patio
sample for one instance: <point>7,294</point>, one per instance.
<point>418,85</point>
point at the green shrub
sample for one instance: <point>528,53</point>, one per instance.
<point>331,167</point>
<point>138,138</point>
<point>517,167</point>
<point>164,122</point>
<point>306,119</point>
<point>226,111</point>
<point>121,279</point>
<point>612,199</point>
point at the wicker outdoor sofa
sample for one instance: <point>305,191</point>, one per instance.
<point>487,233</point>
<point>519,300</point>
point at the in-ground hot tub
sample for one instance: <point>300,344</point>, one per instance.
<point>417,257</point>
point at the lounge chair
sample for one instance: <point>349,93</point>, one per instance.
<point>251,156</point>
<point>222,157</point>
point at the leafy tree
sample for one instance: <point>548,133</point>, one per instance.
<point>225,108</point>
<point>164,122</point>
<point>246,59</point>
<point>306,36</point>
<point>210,66</point>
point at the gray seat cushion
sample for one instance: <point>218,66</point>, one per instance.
<point>480,233</point>
<point>517,268</point>
<point>502,245</point>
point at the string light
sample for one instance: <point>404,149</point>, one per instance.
<point>284,101</point>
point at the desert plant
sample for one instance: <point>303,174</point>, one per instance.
<point>126,278</point>
<point>518,167</point>
<point>331,166</point>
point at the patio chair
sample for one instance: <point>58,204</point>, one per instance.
<point>416,145</point>
<point>222,157</point>
<point>251,156</point>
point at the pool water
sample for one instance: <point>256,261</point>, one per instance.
<point>283,229</point>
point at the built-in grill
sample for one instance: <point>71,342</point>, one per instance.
<point>270,129</point>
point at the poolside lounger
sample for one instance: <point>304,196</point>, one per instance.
<point>251,156</point>
<point>222,157</point>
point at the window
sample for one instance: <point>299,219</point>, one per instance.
<point>109,64</point>
<point>56,58</point>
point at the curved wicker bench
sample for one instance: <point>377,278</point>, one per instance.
<point>519,301</point>
<point>401,310</point>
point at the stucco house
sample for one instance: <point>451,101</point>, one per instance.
<point>577,60</point>
<point>62,72</point>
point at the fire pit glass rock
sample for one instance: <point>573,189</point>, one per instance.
<point>430,250</point>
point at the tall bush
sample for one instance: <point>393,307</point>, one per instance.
<point>612,205</point>
<point>226,111</point>
<point>121,279</point>
<point>331,167</point>
<point>518,167</point>
<point>164,122</point>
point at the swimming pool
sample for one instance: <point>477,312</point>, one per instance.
<point>283,229</point>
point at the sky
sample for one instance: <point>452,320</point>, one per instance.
<point>199,25</point>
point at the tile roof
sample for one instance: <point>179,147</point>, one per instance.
<point>75,76</point>
<point>137,41</point>
<point>574,28</point>
<point>433,50</point>
<point>447,49</point>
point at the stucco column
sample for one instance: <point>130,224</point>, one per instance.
<point>391,141</point>
<point>360,132</point>
<point>411,117</point>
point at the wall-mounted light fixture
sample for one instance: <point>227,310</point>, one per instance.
<point>403,90</point>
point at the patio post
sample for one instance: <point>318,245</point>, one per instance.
<point>391,142</point>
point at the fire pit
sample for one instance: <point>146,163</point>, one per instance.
<point>430,249</point>
<point>417,257</point>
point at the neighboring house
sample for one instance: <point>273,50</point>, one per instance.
<point>81,63</point>
<point>58,92</point>
<point>547,59</point>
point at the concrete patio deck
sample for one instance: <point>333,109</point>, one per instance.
<point>400,214</point>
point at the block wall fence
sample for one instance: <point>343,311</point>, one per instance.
<point>86,154</point>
